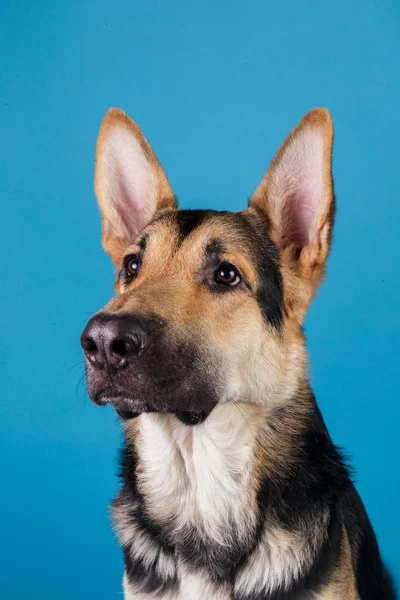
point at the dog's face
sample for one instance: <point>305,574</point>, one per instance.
<point>209,305</point>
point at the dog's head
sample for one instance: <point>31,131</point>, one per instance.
<point>209,305</point>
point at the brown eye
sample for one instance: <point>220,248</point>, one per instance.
<point>227,274</point>
<point>131,265</point>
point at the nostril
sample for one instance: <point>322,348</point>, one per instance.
<point>130,346</point>
<point>93,351</point>
<point>89,345</point>
<point>120,348</point>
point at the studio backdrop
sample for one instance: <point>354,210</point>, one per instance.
<point>215,86</point>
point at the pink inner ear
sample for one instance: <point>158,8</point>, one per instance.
<point>297,221</point>
<point>298,186</point>
<point>131,200</point>
<point>131,184</point>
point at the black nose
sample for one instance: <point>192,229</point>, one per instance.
<point>112,341</point>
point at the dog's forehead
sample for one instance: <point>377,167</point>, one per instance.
<point>232,230</point>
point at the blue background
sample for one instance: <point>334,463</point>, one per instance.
<point>215,86</point>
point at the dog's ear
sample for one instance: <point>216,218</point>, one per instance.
<point>130,183</point>
<point>296,200</point>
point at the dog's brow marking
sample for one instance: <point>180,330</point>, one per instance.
<point>143,241</point>
<point>214,249</point>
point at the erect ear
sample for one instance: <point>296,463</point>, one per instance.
<point>130,183</point>
<point>296,199</point>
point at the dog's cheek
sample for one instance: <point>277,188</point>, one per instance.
<point>260,364</point>
<point>239,351</point>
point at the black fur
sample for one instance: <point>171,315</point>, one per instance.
<point>265,254</point>
<point>189,220</point>
<point>147,576</point>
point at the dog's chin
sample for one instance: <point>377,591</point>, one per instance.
<point>129,408</point>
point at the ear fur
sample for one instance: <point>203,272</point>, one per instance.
<point>296,200</point>
<point>130,183</point>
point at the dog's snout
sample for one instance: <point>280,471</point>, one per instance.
<point>111,342</point>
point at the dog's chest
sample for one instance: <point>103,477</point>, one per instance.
<point>191,530</point>
<point>198,477</point>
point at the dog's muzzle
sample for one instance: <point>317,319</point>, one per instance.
<point>133,366</point>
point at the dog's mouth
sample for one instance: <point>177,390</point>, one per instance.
<point>129,407</point>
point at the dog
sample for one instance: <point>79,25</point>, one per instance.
<point>231,485</point>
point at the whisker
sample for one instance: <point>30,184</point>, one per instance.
<point>81,362</point>
<point>81,388</point>
<point>240,411</point>
<point>242,407</point>
<point>273,365</point>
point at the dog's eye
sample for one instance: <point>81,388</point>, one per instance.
<point>131,265</point>
<point>227,274</point>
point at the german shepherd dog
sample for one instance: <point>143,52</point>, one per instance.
<point>232,487</point>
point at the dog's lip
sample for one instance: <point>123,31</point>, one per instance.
<point>129,407</point>
<point>114,396</point>
<point>125,402</point>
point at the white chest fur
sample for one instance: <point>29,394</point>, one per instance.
<point>199,475</point>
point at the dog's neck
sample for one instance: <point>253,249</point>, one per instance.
<point>208,476</point>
